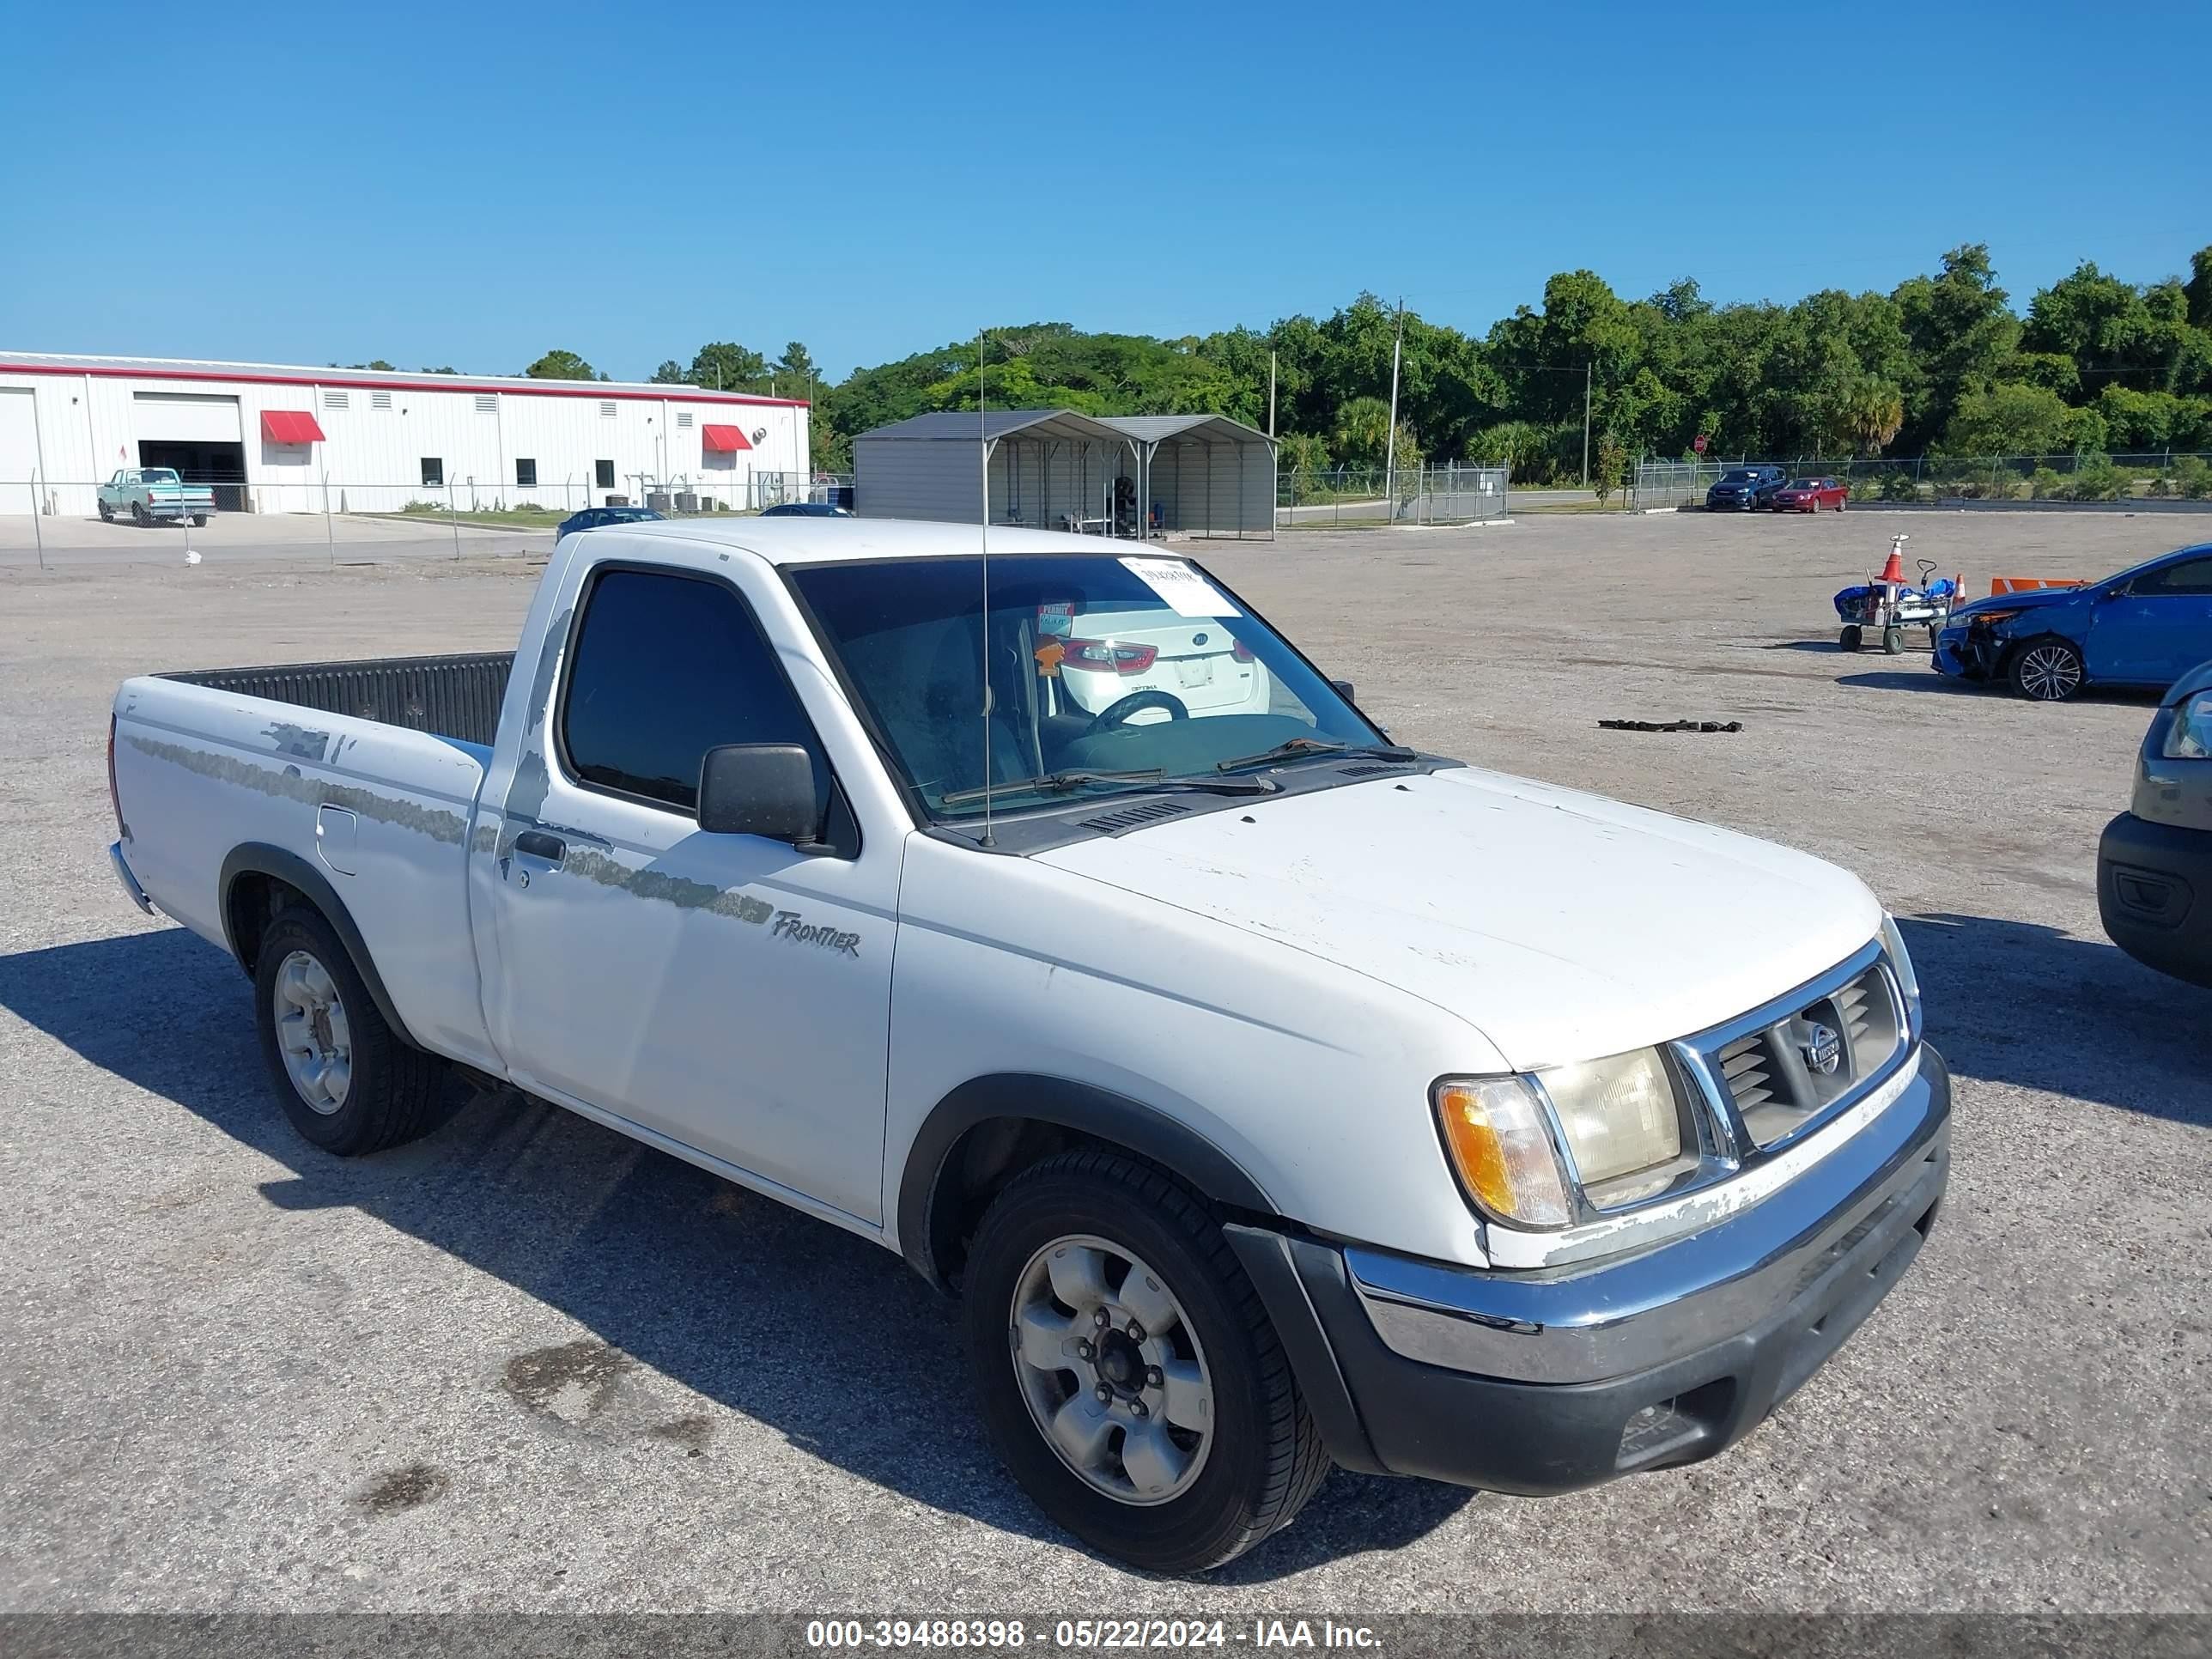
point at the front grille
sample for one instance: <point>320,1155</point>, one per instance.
<point>1801,1059</point>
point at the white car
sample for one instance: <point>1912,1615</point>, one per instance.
<point>1273,1095</point>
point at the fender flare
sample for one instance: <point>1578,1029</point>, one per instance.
<point>258,857</point>
<point>1070,1105</point>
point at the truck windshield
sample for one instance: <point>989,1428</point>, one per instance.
<point>154,475</point>
<point>1089,667</point>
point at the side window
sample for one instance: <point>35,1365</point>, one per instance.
<point>667,667</point>
<point>604,472</point>
<point>526,473</point>
<point>2191,576</point>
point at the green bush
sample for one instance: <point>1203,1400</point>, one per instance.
<point>1899,485</point>
<point>2096,479</point>
<point>2192,477</point>
<point>2046,485</point>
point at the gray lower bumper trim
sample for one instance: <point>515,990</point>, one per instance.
<point>137,893</point>
<point>1590,1324</point>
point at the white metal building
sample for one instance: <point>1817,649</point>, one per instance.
<point>1054,469</point>
<point>277,439</point>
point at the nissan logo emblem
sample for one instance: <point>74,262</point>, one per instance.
<point>1823,1050</point>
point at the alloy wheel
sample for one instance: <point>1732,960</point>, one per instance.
<point>312,1033</point>
<point>1113,1374</point>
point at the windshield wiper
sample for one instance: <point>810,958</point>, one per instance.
<point>1056,782</point>
<point>1298,747</point>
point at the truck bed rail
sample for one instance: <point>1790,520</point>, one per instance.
<point>455,697</point>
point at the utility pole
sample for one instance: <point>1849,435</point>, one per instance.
<point>1586,407</point>
<point>1271,393</point>
<point>1390,445</point>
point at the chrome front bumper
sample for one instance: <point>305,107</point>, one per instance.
<point>1594,1321</point>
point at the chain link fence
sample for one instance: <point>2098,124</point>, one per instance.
<point>1362,497</point>
<point>2163,475</point>
<point>148,514</point>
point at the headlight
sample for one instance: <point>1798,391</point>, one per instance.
<point>1992,617</point>
<point>1618,1114</point>
<point>1501,1148</point>
<point>1900,962</point>
<point>2190,736</point>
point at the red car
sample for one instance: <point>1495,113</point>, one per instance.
<point>1811,494</point>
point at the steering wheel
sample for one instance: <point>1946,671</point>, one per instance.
<point>1117,714</point>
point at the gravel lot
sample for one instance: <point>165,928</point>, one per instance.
<point>524,1365</point>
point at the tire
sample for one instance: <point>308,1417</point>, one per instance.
<point>2047,670</point>
<point>1893,642</point>
<point>390,1093</point>
<point>138,515</point>
<point>1244,1456</point>
<point>106,514</point>
<point>1842,501</point>
<point>199,520</point>
<point>1850,638</point>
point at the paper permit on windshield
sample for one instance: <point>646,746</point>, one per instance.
<point>1189,593</point>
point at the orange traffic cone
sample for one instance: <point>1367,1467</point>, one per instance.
<point>1895,570</point>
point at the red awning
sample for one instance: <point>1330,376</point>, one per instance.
<point>723,440</point>
<point>289,426</point>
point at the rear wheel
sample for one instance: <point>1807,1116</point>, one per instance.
<point>347,1081</point>
<point>1850,638</point>
<point>138,515</point>
<point>199,520</point>
<point>1892,640</point>
<point>1842,501</point>
<point>1126,1371</point>
<point>2046,671</point>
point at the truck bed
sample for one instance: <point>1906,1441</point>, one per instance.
<point>452,696</point>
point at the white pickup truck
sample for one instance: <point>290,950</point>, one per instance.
<point>1271,1094</point>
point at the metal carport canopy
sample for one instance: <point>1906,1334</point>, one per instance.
<point>1151,431</point>
<point>958,426</point>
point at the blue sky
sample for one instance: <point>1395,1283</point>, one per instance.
<point>471,185</point>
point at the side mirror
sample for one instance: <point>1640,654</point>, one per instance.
<point>764,789</point>
<point>1343,689</point>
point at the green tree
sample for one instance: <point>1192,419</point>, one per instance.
<point>2011,419</point>
<point>562,366</point>
<point>1962,333</point>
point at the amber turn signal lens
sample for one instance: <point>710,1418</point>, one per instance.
<point>1495,1134</point>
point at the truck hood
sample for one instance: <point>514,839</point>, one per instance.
<point>1561,926</point>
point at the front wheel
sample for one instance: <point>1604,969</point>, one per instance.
<point>2046,671</point>
<point>1126,1371</point>
<point>106,514</point>
<point>1850,638</point>
<point>1892,640</point>
<point>348,1082</point>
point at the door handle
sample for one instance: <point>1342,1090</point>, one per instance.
<point>539,845</point>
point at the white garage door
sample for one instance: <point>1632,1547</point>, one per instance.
<point>19,447</point>
<point>185,417</point>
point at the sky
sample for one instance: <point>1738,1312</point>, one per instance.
<point>471,185</point>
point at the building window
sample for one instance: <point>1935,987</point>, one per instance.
<point>488,404</point>
<point>607,409</point>
<point>525,474</point>
<point>334,400</point>
<point>434,472</point>
<point>380,400</point>
<point>604,472</point>
<point>683,417</point>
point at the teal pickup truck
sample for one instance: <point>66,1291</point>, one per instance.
<point>146,495</point>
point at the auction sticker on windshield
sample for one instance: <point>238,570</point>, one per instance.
<point>1183,587</point>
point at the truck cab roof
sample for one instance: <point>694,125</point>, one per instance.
<point>793,541</point>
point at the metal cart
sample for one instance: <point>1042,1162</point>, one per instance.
<point>1891,605</point>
